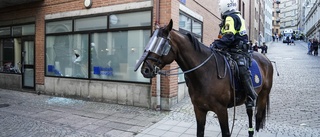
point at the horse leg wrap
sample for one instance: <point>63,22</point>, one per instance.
<point>251,132</point>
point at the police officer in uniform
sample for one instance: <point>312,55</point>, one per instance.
<point>234,40</point>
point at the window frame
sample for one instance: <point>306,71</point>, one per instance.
<point>91,32</point>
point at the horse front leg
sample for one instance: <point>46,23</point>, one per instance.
<point>250,114</point>
<point>201,116</point>
<point>222,114</point>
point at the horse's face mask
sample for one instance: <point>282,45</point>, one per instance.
<point>157,47</point>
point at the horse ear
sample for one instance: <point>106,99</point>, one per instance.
<point>169,26</point>
<point>157,26</point>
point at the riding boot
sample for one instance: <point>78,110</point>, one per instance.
<point>248,87</point>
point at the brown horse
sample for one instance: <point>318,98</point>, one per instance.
<point>208,90</point>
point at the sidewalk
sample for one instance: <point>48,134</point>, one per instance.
<point>28,114</point>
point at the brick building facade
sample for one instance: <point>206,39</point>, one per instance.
<point>30,34</point>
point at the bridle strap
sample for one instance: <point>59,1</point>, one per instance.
<point>168,72</point>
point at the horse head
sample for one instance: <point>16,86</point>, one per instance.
<point>158,52</point>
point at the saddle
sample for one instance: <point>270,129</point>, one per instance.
<point>234,72</point>
<point>232,66</point>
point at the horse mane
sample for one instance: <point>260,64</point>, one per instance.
<point>195,42</point>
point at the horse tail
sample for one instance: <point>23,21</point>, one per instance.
<point>263,102</point>
<point>262,110</point>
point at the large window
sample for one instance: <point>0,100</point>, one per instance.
<point>67,55</point>
<point>10,46</point>
<point>95,51</point>
<point>188,24</point>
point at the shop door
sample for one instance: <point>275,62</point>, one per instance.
<point>28,72</point>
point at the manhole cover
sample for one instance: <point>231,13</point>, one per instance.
<point>4,105</point>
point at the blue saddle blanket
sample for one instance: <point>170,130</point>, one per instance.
<point>255,74</point>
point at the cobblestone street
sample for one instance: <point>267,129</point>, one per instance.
<point>294,110</point>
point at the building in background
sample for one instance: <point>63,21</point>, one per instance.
<point>258,21</point>
<point>310,21</point>
<point>289,15</point>
<point>268,20</point>
<point>276,18</point>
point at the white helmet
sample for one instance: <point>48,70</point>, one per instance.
<point>228,5</point>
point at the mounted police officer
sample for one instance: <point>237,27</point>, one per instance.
<point>234,40</point>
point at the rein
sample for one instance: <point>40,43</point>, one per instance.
<point>168,72</point>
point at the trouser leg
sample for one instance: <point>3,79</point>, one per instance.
<point>248,86</point>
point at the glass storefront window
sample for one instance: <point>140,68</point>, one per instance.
<point>92,23</point>
<point>114,54</point>
<point>134,19</point>
<point>10,55</point>
<point>5,31</point>
<point>67,55</point>
<point>59,26</point>
<point>23,30</point>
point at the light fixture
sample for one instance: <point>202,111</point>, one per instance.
<point>87,3</point>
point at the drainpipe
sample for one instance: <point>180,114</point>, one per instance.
<point>157,21</point>
<point>158,88</point>
<point>158,93</point>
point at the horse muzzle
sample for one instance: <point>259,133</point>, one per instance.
<point>148,72</point>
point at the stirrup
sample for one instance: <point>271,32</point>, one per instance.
<point>250,102</point>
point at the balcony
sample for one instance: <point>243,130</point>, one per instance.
<point>278,1</point>
<point>8,3</point>
<point>277,10</point>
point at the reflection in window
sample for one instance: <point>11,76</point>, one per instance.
<point>92,23</point>
<point>184,22</point>
<point>196,28</point>
<point>134,19</point>
<point>114,55</point>
<point>59,26</point>
<point>67,55</point>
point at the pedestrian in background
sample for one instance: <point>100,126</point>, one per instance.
<point>309,47</point>
<point>255,47</point>
<point>264,48</point>
<point>292,38</point>
<point>315,47</point>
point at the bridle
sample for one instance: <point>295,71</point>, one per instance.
<point>157,61</point>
